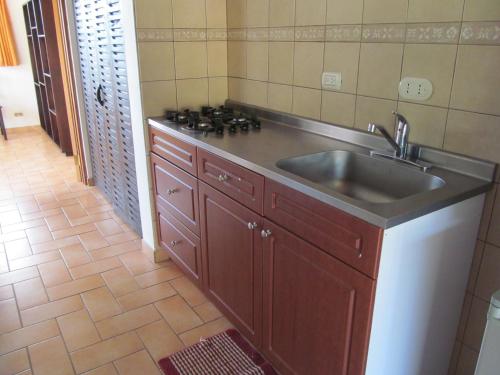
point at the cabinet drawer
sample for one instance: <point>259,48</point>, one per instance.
<point>180,153</point>
<point>183,246</point>
<point>176,191</point>
<point>350,239</point>
<point>244,186</point>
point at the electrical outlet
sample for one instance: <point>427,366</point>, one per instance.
<point>415,88</point>
<point>332,80</point>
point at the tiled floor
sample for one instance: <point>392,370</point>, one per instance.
<point>79,293</point>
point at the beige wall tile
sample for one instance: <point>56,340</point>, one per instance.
<point>379,70</point>
<point>189,13</point>
<point>306,102</point>
<point>256,93</point>
<point>153,14</point>
<point>281,62</point>
<point>216,13</point>
<point>192,93</point>
<point>158,97</point>
<point>280,97</point>
<point>374,110</point>
<point>343,58</point>
<point>217,91</point>
<point>310,12</point>
<point>235,89</point>
<point>473,134</point>
<point>190,59</point>
<point>257,60</point>
<point>338,108</point>
<point>385,11</point>
<point>487,210</point>
<point>236,59</point>
<point>281,13</point>
<point>435,11</point>
<point>494,231</point>
<point>257,13</point>
<point>344,11</point>
<point>488,280</point>
<point>477,82</point>
<point>236,13</point>
<point>481,10</point>
<point>217,58</point>
<point>434,62</point>
<point>476,323</point>
<point>308,64</point>
<point>156,61</point>
<point>427,123</point>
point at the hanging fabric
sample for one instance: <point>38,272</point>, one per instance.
<point>8,56</point>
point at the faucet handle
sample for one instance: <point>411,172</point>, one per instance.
<point>372,128</point>
<point>400,118</point>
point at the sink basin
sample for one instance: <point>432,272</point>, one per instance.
<point>361,177</point>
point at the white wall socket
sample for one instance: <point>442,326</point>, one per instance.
<point>415,88</point>
<point>332,80</point>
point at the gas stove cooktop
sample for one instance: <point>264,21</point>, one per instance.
<point>214,119</point>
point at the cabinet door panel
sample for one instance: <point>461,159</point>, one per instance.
<point>232,260</point>
<point>317,310</point>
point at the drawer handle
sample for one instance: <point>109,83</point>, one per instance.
<point>252,226</point>
<point>171,191</point>
<point>222,177</point>
<point>174,243</point>
<point>265,233</point>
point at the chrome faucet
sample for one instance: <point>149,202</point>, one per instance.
<point>400,141</point>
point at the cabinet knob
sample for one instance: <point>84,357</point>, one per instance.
<point>264,233</point>
<point>173,243</point>
<point>222,177</point>
<point>171,191</point>
<point>252,226</point>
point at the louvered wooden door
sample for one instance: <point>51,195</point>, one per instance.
<point>105,92</point>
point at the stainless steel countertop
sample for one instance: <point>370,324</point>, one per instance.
<point>259,150</point>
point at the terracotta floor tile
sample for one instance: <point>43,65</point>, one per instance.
<point>38,235</point>
<point>55,244</point>
<point>30,293</point>
<point>34,260</point>
<point>137,363</point>
<point>41,214</point>
<point>101,304</point>
<point>204,331</point>
<point>19,275</point>
<point>18,249</point>
<point>146,296</point>
<point>159,275</point>
<point>138,263</point>
<point>6,292</point>
<point>75,255</point>
<point>108,369</point>
<point>120,282</point>
<point>90,218</point>
<point>22,226</point>
<point>27,207</point>
<point>108,227</point>
<point>75,287</point>
<point>74,211</point>
<point>78,330</point>
<point>51,310</point>
<point>4,265</point>
<point>14,363</point>
<point>27,336</point>
<point>117,249</point>
<point>73,231</point>
<point>50,358</point>
<point>106,351</point>
<point>10,217</point>
<point>207,311</point>
<point>128,321</point>
<point>93,240</point>
<point>12,236</point>
<point>160,340</point>
<point>9,317</point>
<point>54,273</point>
<point>57,222</point>
<point>101,208</point>
<point>178,314</point>
<point>95,267</point>
<point>122,237</point>
<point>188,291</point>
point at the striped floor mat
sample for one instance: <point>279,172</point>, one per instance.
<point>224,354</point>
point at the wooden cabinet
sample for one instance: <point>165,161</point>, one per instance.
<point>232,260</point>
<point>317,310</point>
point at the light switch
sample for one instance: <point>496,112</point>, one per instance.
<point>332,80</point>
<point>415,88</point>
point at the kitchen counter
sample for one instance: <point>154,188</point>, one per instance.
<point>283,136</point>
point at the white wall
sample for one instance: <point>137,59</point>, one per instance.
<point>17,93</point>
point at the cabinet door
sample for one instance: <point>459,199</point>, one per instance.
<point>317,310</point>
<point>232,260</point>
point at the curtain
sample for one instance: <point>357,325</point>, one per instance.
<point>8,55</point>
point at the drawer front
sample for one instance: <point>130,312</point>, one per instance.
<point>180,153</point>
<point>350,239</point>
<point>176,191</point>
<point>244,186</point>
<point>183,246</point>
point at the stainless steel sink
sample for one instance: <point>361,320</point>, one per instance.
<point>361,177</point>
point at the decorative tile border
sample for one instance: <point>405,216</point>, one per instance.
<point>480,33</point>
<point>433,33</point>
<point>343,33</point>
<point>155,35</point>
<point>180,35</point>
<point>386,33</point>
<point>190,35</point>
<point>259,34</point>
<point>216,34</point>
<point>236,34</point>
<point>310,34</point>
<point>281,34</point>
